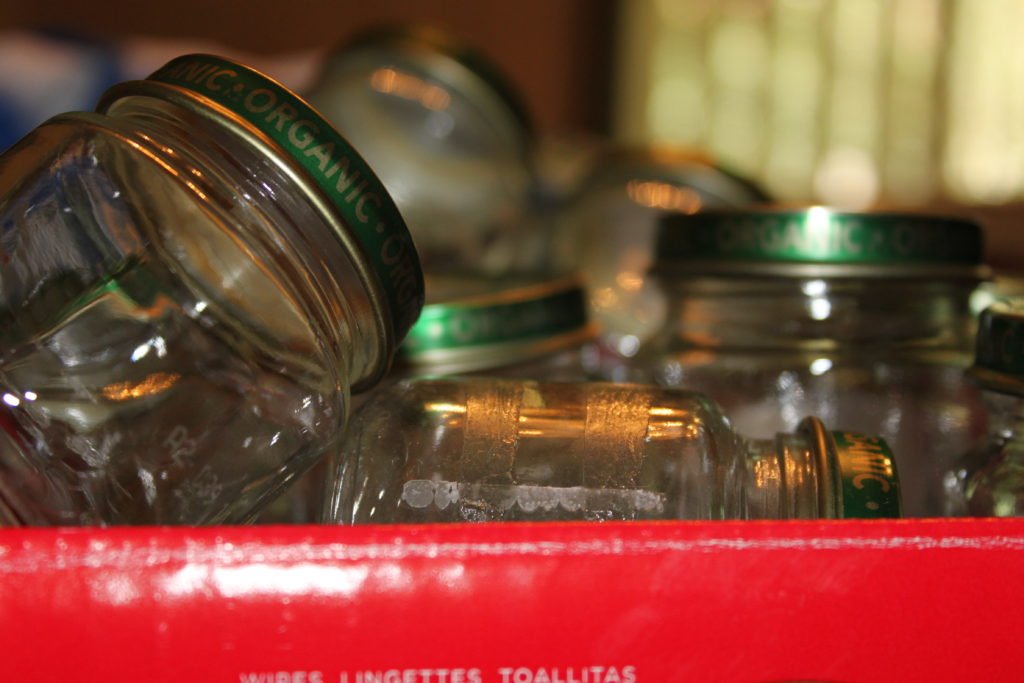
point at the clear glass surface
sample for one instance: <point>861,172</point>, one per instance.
<point>563,366</point>
<point>302,502</point>
<point>486,449</point>
<point>165,356</point>
<point>607,233</point>
<point>881,356</point>
<point>989,480</point>
<point>455,163</point>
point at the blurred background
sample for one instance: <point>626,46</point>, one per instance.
<point>852,103</point>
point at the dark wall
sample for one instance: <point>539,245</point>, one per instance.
<point>558,52</point>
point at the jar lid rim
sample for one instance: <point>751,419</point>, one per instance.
<point>863,482</point>
<point>336,168</point>
<point>869,485</point>
<point>885,242</point>
<point>524,313</point>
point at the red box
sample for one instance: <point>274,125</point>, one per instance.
<point>562,603</point>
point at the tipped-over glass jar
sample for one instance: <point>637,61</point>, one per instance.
<point>989,480</point>
<point>860,319</point>
<point>192,281</point>
<point>607,233</point>
<point>525,327</point>
<point>512,327</point>
<point>447,135</point>
<point>485,449</point>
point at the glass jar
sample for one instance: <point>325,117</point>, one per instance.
<point>484,449</point>
<point>192,281</point>
<point>448,136</point>
<point>861,319</point>
<point>513,327</point>
<point>989,480</point>
<point>607,232</point>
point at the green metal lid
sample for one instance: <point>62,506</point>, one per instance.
<point>476,74</point>
<point>999,354</point>
<point>497,325</point>
<point>856,473</point>
<point>367,211</point>
<point>869,485</point>
<point>820,242</point>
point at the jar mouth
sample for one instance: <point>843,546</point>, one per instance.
<point>372,290</point>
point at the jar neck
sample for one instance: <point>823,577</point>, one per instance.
<point>783,479</point>
<point>818,314</point>
<point>274,221</point>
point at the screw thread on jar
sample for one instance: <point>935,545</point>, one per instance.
<point>781,479</point>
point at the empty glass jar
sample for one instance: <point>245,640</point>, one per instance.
<point>448,137</point>
<point>989,480</point>
<point>485,449</point>
<point>511,327</point>
<point>607,232</point>
<point>192,281</point>
<point>861,319</point>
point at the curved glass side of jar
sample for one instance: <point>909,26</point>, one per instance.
<point>449,150</point>
<point>607,232</point>
<point>989,480</point>
<point>570,362</point>
<point>535,330</point>
<point>883,356</point>
<point>566,365</point>
<point>302,503</point>
<point>180,328</point>
<point>485,449</point>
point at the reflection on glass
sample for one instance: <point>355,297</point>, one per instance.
<point>410,87</point>
<point>153,384</point>
<point>663,196</point>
